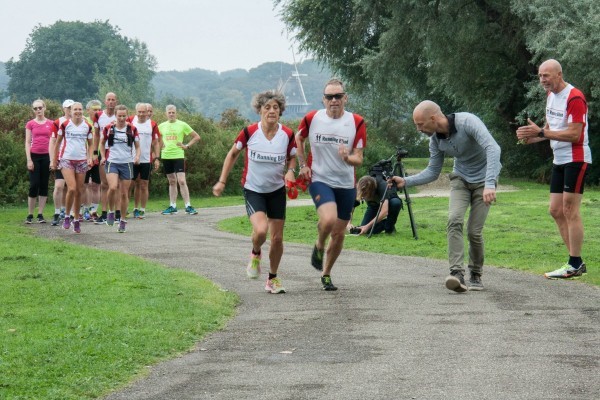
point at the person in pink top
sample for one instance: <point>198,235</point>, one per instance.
<point>75,159</point>
<point>37,142</point>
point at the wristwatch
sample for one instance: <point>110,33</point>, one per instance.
<point>541,134</point>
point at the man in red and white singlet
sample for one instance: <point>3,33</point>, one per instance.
<point>337,139</point>
<point>567,129</point>
<point>102,119</point>
<point>150,153</point>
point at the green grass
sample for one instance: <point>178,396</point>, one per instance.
<point>519,232</point>
<point>74,329</point>
<point>77,331</point>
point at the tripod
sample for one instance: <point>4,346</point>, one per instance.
<point>398,170</point>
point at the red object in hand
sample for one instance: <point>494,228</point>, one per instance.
<point>292,191</point>
<point>301,183</point>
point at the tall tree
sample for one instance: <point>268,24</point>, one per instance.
<point>73,59</point>
<point>475,55</point>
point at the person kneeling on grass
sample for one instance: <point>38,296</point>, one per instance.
<point>372,189</point>
<point>270,149</point>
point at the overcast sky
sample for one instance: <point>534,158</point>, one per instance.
<point>217,35</point>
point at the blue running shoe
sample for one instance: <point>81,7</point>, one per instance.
<point>191,210</point>
<point>170,210</point>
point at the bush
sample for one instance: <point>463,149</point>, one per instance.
<point>14,179</point>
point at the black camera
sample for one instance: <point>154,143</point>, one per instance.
<point>382,168</point>
<point>355,230</point>
<point>401,153</point>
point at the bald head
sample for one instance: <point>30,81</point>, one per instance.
<point>427,108</point>
<point>428,117</point>
<point>551,65</point>
<point>551,77</point>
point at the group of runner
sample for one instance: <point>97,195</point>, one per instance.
<point>337,140</point>
<point>95,157</point>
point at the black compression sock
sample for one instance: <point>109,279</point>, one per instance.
<point>575,262</point>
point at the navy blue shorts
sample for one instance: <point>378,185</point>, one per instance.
<point>344,198</point>
<point>125,170</point>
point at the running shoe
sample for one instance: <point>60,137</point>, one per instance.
<point>86,215</point>
<point>40,219</point>
<point>327,283</point>
<point>253,269</point>
<point>566,272</point>
<point>475,283</point>
<point>67,223</point>
<point>55,220</point>
<point>274,286</point>
<point>191,210</point>
<point>316,259</point>
<point>29,219</point>
<point>136,213</point>
<point>456,282</point>
<point>93,216</point>
<point>122,226</point>
<point>76,227</point>
<point>62,215</point>
<point>101,220</point>
<point>170,210</point>
<point>110,220</point>
<point>142,214</point>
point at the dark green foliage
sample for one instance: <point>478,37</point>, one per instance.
<point>13,168</point>
<point>477,56</point>
<point>73,60</point>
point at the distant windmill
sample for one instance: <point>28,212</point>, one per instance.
<point>295,100</point>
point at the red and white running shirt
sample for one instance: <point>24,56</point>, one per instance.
<point>325,134</point>
<point>75,139</point>
<point>265,161</point>
<point>148,132</point>
<point>568,106</point>
<point>102,120</point>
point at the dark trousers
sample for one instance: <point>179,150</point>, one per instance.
<point>389,223</point>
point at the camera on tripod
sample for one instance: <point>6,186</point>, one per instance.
<point>383,168</point>
<point>401,153</point>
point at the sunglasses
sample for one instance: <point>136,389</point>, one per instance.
<point>38,108</point>
<point>337,96</point>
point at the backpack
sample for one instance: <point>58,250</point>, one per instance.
<point>111,135</point>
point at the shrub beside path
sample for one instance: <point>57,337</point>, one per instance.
<point>392,331</point>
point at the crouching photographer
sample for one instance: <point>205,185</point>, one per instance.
<point>371,189</point>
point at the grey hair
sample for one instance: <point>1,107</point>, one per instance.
<point>263,98</point>
<point>170,107</point>
<point>93,103</point>
<point>336,82</point>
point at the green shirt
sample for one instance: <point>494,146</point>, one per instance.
<point>173,133</point>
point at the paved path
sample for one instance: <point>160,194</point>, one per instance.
<point>392,331</point>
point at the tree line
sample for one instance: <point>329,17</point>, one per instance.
<point>479,56</point>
